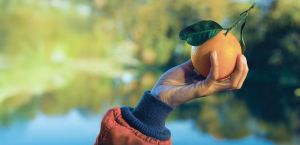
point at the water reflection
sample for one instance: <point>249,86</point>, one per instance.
<point>80,102</point>
<point>181,130</point>
<point>77,128</point>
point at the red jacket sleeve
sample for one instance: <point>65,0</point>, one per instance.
<point>116,131</point>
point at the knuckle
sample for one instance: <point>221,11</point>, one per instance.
<point>246,69</point>
<point>231,85</point>
<point>240,69</point>
<point>234,86</point>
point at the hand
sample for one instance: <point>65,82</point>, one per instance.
<point>181,83</point>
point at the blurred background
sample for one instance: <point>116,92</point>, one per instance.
<point>63,63</point>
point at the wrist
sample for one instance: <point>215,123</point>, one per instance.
<point>162,96</point>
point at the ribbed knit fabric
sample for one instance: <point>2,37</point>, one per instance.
<point>149,117</point>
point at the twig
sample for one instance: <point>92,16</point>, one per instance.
<point>243,16</point>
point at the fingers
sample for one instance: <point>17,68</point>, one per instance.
<point>212,84</point>
<point>214,69</point>
<point>245,72</point>
<point>239,75</point>
<point>202,88</point>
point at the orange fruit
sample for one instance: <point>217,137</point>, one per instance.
<point>227,48</point>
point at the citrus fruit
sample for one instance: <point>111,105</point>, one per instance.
<point>227,48</point>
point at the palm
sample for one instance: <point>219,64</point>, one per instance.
<point>181,75</point>
<point>178,83</point>
<point>181,83</point>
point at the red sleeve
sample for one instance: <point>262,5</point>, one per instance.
<point>116,131</point>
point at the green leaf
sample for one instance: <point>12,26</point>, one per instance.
<point>198,33</point>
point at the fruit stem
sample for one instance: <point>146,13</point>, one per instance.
<point>243,16</point>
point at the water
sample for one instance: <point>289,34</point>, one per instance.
<point>184,133</point>
<point>77,129</point>
<point>72,113</point>
<point>71,128</point>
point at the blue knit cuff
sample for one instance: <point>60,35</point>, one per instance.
<point>149,117</point>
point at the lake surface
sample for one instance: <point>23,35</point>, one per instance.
<point>74,128</point>
<point>70,113</point>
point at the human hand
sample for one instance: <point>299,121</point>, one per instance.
<point>181,83</point>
